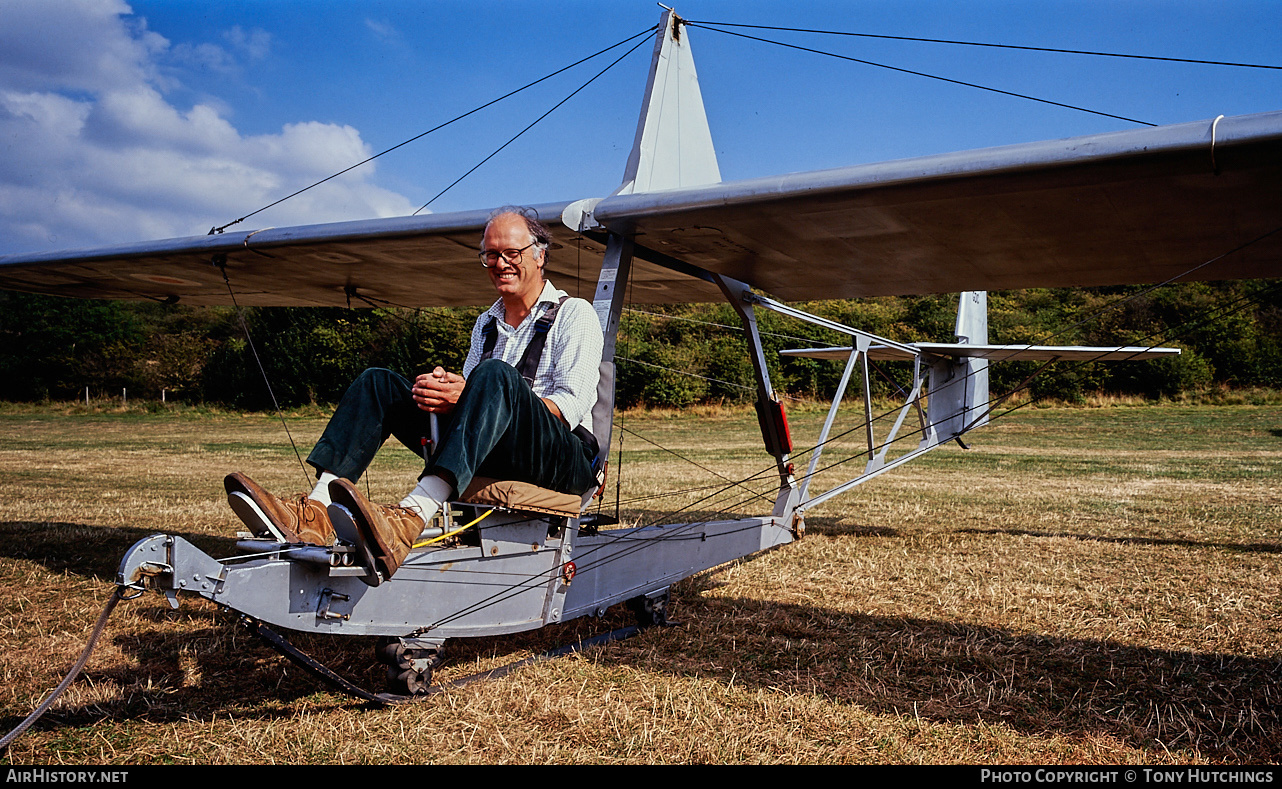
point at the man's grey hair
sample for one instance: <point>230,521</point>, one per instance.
<point>540,232</point>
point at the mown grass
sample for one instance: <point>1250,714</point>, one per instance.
<point>1084,585</point>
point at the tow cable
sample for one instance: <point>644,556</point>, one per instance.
<point>116,597</point>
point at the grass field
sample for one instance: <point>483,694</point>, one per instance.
<point>1087,585</point>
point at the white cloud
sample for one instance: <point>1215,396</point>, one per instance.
<point>74,45</point>
<point>92,152</point>
<point>255,44</point>
<point>383,29</point>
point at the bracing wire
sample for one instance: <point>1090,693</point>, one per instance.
<point>995,46</point>
<point>554,108</point>
<point>738,329</point>
<point>219,229</point>
<point>689,374</point>
<point>240,314</point>
<point>924,74</point>
<point>687,460</point>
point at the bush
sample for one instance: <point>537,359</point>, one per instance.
<point>682,354</point>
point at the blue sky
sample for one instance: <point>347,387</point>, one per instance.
<point>121,122</point>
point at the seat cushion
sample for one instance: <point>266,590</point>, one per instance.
<point>521,496</point>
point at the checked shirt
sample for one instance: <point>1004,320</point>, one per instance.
<point>569,368</point>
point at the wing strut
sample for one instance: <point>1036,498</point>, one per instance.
<point>770,414</point>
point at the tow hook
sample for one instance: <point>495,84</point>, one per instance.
<point>169,564</point>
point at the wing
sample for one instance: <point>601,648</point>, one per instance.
<point>415,261</point>
<point>1110,209</point>
<point>1197,200</point>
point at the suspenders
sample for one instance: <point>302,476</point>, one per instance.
<point>529,363</point>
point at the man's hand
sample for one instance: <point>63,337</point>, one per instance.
<point>556,411</point>
<point>438,391</point>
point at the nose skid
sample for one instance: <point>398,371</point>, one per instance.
<point>169,564</point>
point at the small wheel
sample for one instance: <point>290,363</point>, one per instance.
<point>650,611</point>
<point>395,653</point>
<point>389,651</point>
<point>408,682</point>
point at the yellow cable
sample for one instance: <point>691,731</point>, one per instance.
<point>485,515</point>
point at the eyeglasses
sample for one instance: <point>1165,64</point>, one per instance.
<point>490,257</point>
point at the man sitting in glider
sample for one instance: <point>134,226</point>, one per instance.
<point>507,416</point>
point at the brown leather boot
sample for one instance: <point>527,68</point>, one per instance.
<point>296,520</point>
<point>387,531</point>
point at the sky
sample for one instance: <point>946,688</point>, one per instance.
<point>124,122</point>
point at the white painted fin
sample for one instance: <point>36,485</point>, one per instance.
<point>958,386</point>
<point>972,329</point>
<point>673,145</point>
<point>972,318</point>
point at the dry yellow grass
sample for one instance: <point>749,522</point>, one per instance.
<point>1084,586</point>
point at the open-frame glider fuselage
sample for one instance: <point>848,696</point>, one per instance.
<point>1198,201</point>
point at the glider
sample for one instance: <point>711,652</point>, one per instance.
<point>1199,200</point>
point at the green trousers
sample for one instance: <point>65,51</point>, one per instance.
<point>498,428</point>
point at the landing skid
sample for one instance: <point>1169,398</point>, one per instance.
<point>420,687</point>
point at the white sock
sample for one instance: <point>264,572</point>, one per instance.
<point>321,491</point>
<point>427,497</point>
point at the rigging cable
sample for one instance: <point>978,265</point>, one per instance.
<point>240,314</point>
<point>691,462</point>
<point>216,230</point>
<point>924,74</point>
<point>995,46</point>
<point>689,374</point>
<point>535,121</point>
<point>727,326</point>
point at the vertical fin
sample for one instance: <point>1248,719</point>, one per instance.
<point>958,399</point>
<point>972,329</point>
<point>673,146</point>
<point>972,318</point>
